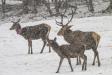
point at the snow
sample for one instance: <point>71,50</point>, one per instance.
<point>14,59</point>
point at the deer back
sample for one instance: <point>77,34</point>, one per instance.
<point>35,32</point>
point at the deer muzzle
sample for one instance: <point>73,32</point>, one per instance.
<point>11,28</point>
<point>60,33</point>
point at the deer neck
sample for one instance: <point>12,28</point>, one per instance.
<point>68,36</point>
<point>18,29</point>
<point>55,47</point>
<point>67,33</point>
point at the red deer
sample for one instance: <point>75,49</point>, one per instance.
<point>69,51</point>
<point>90,39</point>
<point>30,33</point>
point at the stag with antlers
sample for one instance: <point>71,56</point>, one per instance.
<point>90,39</point>
<point>30,33</point>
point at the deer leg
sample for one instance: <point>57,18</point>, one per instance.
<point>43,46</point>
<point>84,65</point>
<point>28,47</point>
<point>78,60</point>
<point>97,54</point>
<point>49,49</point>
<point>69,61</point>
<point>61,60</point>
<point>85,61</point>
<point>94,58</point>
<point>31,47</point>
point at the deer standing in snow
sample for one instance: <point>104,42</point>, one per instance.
<point>30,33</point>
<point>69,51</point>
<point>90,39</point>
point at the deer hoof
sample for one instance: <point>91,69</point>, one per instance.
<point>93,64</point>
<point>41,52</point>
<point>99,65</point>
<point>72,71</point>
<point>57,72</point>
<point>49,51</point>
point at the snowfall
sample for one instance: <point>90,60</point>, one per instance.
<point>14,59</point>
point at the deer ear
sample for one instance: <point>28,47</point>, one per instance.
<point>55,39</point>
<point>69,26</point>
<point>66,24</point>
<point>18,20</point>
<point>12,21</point>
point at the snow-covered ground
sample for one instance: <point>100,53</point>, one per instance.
<point>14,59</point>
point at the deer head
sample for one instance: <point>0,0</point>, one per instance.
<point>64,27</point>
<point>15,25</point>
<point>50,42</point>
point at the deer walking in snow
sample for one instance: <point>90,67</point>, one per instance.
<point>90,39</point>
<point>69,51</point>
<point>30,33</point>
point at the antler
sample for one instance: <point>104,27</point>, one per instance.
<point>58,23</point>
<point>18,20</point>
<point>62,16</point>
<point>71,17</point>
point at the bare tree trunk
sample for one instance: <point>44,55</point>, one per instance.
<point>90,5</point>
<point>56,6</point>
<point>60,4</point>
<point>47,4</point>
<point>3,7</point>
<point>25,6</point>
<point>35,2</point>
<point>109,8</point>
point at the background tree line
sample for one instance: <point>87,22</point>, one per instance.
<point>57,4</point>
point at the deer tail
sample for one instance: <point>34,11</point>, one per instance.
<point>96,38</point>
